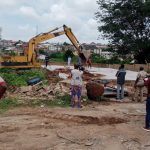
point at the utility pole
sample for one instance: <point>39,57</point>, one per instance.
<point>36,30</point>
<point>0,33</point>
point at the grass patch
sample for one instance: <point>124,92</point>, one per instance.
<point>60,101</point>
<point>20,77</point>
<point>7,103</point>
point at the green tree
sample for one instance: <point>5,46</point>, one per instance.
<point>67,54</point>
<point>126,24</point>
<point>41,51</point>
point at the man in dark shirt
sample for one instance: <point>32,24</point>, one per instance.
<point>120,81</point>
<point>46,60</point>
<point>147,117</point>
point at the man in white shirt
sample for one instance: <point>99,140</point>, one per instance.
<point>2,87</point>
<point>76,86</point>
<point>69,61</point>
<point>138,96</point>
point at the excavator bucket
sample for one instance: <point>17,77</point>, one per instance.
<point>86,53</point>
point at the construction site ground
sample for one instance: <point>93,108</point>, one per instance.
<point>97,126</point>
<point>104,125</point>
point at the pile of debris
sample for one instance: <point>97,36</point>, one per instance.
<point>41,91</point>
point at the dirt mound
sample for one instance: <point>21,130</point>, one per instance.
<point>102,120</point>
<point>5,128</point>
<point>79,119</point>
<point>85,119</point>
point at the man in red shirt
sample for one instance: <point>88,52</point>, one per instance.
<point>147,117</point>
<point>3,87</point>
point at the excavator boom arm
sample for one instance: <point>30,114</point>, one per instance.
<point>71,37</point>
<point>40,38</point>
<point>49,35</point>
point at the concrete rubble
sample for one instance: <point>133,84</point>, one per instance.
<point>41,90</point>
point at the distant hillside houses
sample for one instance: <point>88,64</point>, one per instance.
<point>18,46</point>
<point>98,48</point>
<point>10,46</point>
<point>50,47</point>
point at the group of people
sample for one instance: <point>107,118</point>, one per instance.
<point>143,79</point>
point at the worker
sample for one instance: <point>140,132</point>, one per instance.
<point>3,87</point>
<point>89,62</point>
<point>76,86</point>
<point>121,73</point>
<point>46,60</point>
<point>69,61</point>
<point>147,117</point>
<point>138,94</point>
<point>79,61</point>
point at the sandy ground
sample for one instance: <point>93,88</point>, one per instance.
<point>97,126</point>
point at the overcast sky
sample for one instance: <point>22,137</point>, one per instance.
<point>22,19</point>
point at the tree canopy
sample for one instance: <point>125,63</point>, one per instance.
<point>126,24</point>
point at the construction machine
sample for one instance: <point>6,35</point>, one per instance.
<point>29,60</point>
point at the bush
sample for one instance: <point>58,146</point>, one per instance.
<point>56,55</point>
<point>98,59</point>
<point>7,103</point>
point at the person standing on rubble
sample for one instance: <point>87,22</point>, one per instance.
<point>121,73</point>
<point>138,95</point>
<point>3,87</point>
<point>79,61</point>
<point>147,117</point>
<point>76,86</point>
<point>89,62</point>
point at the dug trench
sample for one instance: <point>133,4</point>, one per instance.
<point>87,119</point>
<point>71,118</point>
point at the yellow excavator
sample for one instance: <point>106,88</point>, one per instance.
<point>28,60</point>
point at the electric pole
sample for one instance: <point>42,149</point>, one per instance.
<point>0,33</point>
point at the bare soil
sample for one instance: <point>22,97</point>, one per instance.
<point>98,126</point>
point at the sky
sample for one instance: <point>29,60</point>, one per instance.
<point>23,19</point>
